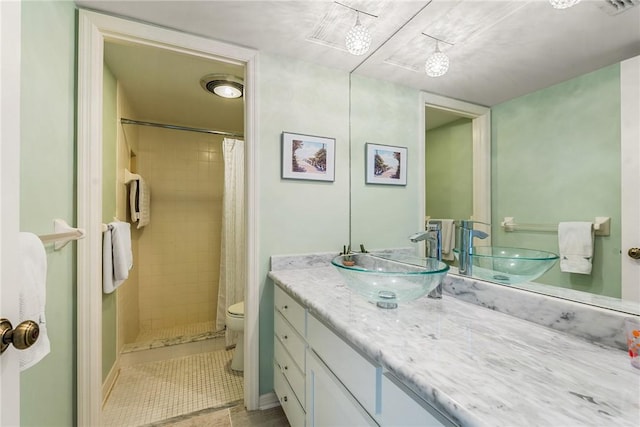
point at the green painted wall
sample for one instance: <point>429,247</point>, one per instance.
<point>47,191</point>
<point>383,216</point>
<point>109,150</point>
<point>556,157</point>
<point>298,216</point>
<point>449,170</point>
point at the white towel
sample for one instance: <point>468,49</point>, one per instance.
<point>140,201</point>
<point>447,232</point>
<point>33,295</point>
<point>117,257</point>
<point>575,243</point>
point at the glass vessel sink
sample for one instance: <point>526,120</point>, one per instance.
<point>387,280</point>
<point>509,265</point>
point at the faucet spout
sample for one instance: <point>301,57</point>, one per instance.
<point>466,233</point>
<point>419,236</point>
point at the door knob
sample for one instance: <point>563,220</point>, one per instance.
<point>22,337</point>
<point>634,253</point>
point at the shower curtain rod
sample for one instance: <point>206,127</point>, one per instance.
<point>176,127</point>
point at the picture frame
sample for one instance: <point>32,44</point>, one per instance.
<point>385,164</point>
<point>308,157</point>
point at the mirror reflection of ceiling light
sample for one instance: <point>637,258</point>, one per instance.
<point>358,39</point>
<point>563,4</point>
<point>225,86</point>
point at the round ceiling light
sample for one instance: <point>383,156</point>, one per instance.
<point>223,85</point>
<point>437,64</point>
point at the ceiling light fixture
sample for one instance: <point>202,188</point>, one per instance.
<point>223,85</point>
<point>358,39</point>
<point>437,64</point>
<point>563,4</point>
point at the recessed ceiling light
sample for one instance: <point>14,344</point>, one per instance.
<point>223,85</point>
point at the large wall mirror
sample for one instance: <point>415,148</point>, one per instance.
<point>556,153</point>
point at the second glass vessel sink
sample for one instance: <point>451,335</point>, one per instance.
<point>509,265</point>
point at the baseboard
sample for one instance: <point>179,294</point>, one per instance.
<point>267,401</point>
<point>110,381</point>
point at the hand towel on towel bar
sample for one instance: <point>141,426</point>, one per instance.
<point>575,244</point>
<point>140,200</point>
<point>33,295</point>
<point>117,257</point>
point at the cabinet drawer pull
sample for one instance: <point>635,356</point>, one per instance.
<point>284,337</point>
<point>285,399</point>
<point>285,307</point>
<point>286,367</point>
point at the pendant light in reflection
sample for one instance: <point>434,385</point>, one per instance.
<point>358,39</point>
<point>563,4</point>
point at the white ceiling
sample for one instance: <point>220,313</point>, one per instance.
<point>501,49</point>
<point>164,87</point>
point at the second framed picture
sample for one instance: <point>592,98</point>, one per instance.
<point>386,164</point>
<point>308,157</point>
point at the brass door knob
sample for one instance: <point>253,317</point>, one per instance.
<point>634,253</point>
<point>22,337</point>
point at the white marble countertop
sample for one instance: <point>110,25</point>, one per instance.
<point>478,366</point>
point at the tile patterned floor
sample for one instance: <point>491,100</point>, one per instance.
<point>151,392</point>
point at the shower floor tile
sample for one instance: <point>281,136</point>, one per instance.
<point>151,392</point>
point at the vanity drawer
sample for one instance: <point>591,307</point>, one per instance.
<point>290,340</point>
<point>290,370</point>
<point>292,408</point>
<point>356,372</point>
<point>290,309</point>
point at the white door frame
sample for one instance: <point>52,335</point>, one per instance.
<point>481,136</point>
<point>630,175</point>
<point>10,46</point>
<point>93,30</point>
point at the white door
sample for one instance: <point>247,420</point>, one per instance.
<point>630,162</point>
<point>9,201</point>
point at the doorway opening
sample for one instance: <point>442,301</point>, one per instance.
<point>162,333</point>
<point>97,34</point>
<point>473,123</point>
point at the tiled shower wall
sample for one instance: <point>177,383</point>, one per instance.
<point>179,251</point>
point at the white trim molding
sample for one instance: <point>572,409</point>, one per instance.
<point>93,30</point>
<point>630,174</point>
<point>481,134</point>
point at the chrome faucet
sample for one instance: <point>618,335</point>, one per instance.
<point>466,233</point>
<point>433,237</point>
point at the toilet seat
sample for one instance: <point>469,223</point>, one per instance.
<point>236,310</point>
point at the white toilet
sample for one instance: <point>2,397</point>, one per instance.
<point>235,323</point>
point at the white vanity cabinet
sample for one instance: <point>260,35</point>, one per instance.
<point>322,380</point>
<point>329,402</point>
<point>289,356</point>
<point>402,407</point>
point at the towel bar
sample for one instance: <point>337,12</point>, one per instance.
<point>601,226</point>
<point>64,234</point>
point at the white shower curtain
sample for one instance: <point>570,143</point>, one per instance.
<point>232,250</point>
